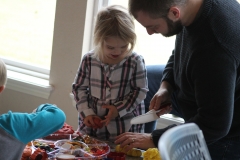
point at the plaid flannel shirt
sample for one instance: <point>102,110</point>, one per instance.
<point>123,85</point>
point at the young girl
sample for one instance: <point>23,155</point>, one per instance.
<point>111,83</point>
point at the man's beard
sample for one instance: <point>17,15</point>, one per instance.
<point>173,27</point>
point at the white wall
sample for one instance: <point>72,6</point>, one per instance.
<point>69,32</point>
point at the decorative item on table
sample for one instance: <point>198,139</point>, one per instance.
<point>66,132</point>
<point>134,152</point>
<point>32,153</point>
<point>27,152</point>
<point>151,154</point>
<point>39,154</point>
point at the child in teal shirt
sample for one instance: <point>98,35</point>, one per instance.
<point>17,129</point>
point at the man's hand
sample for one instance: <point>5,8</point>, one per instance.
<point>129,140</point>
<point>162,99</point>
<point>163,96</point>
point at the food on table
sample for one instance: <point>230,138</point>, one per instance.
<point>78,138</point>
<point>27,152</point>
<point>151,153</point>
<point>63,133</point>
<point>79,154</point>
<point>97,122</point>
<point>48,146</point>
<point>66,129</point>
<point>29,143</point>
<point>39,154</point>
<point>76,145</point>
<point>132,152</point>
<point>98,150</point>
<point>95,148</point>
<point>89,140</point>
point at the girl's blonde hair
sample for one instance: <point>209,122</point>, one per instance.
<point>3,73</point>
<point>114,21</point>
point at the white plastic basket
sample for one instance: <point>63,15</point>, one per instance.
<point>183,142</point>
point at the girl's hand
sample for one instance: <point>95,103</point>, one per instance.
<point>112,113</point>
<point>93,121</point>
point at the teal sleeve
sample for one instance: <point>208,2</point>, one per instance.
<point>28,126</point>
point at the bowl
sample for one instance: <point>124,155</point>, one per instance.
<point>71,154</point>
<point>70,145</point>
<point>83,151</point>
<point>99,150</point>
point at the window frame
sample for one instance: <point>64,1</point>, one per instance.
<point>35,80</point>
<point>27,78</point>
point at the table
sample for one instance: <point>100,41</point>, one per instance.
<point>134,158</point>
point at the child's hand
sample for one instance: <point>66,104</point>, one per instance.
<point>112,113</point>
<point>93,121</point>
<point>97,120</point>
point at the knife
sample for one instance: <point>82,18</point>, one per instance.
<point>149,116</point>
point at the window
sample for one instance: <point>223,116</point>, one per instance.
<point>26,33</point>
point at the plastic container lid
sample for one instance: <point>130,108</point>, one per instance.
<point>65,157</point>
<point>75,144</point>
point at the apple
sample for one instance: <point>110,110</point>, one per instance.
<point>97,122</point>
